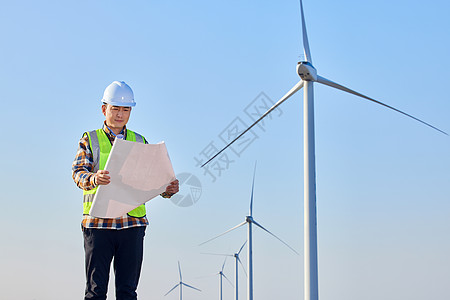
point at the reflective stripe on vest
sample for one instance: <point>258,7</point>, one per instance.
<point>101,147</point>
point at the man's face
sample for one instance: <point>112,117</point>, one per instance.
<point>116,116</point>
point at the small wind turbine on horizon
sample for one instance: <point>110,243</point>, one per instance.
<point>221,276</point>
<point>236,268</point>
<point>308,75</point>
<point>180,284</point>
<point>250,221</point>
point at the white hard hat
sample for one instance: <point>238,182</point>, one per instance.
<point>118,93</point>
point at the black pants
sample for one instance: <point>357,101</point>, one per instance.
<point>126,246</point>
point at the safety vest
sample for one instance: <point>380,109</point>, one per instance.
<point>101,147</point>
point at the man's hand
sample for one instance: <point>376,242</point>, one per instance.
<point>102,178</point>
<point>173,188</point>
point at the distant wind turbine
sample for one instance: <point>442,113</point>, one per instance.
<point>250,221</point>
<point>221,276</point>
<point>180,284</point>
<point>308,75</point>
<point>236,269</point>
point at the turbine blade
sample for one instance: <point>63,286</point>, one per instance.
<point>237,226</point>
<point>335,85</point>
<point>305,36</point>
<point>260,226</point>
<point>172,289</point>
<point>220,254</point>
<point>179,270</point>
<point>191,286</point>
<point>241,247</point>
<point>253,185</point>
<point>243,267</point>
<point>227,279</point>
<point>298,86</point>
<point>223,266</point>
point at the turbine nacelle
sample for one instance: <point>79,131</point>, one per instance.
<point>306,71</point>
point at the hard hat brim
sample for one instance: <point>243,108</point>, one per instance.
<point>114,103</point>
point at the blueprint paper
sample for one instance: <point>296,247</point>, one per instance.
<point>139,172</point>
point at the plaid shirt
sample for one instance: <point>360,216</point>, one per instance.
<point>82,174</point>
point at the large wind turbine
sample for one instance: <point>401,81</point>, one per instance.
<point>180,284</point>
<point>237,261</point>
<point>308,75</point>
<point>250,221</point>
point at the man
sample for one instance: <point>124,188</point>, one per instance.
<point>120,238</point>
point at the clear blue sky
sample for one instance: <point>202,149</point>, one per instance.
<point>382,179</point>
